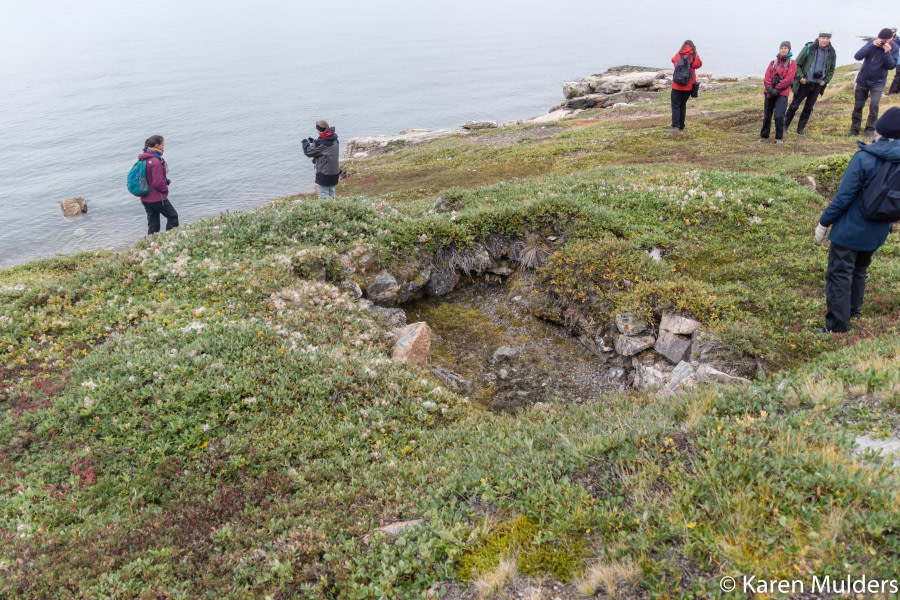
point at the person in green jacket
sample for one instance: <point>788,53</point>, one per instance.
<point>815,68</point>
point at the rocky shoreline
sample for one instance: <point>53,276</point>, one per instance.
<point>619,86</point>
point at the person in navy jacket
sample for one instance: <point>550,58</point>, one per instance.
<point>879,56</point>
<point>854,239</point>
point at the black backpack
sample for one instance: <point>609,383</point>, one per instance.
<point>682,74</point>
<point>881,198</point>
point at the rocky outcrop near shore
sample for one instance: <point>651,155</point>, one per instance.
<point>619,85</point>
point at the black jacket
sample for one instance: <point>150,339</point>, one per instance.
<point>325,153</point>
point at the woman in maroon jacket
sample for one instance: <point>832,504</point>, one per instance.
<point>682,91</point>
<point>157,203</point>
<point>778,81</point>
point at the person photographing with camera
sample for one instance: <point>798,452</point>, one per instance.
<point>815,68</point>
<point>879,56</point>
<point>325,153</point>
<point>778,81</point>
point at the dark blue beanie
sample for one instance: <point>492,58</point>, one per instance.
<point>889,123</point>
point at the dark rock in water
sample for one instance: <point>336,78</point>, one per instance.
<point>72,207</point>
<point>442,283</point>
<point>383,290</point>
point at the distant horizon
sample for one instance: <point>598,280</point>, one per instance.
<point>235,88</point>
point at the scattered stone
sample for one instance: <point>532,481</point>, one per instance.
<point>650,375</point>
<point>673,347</point>
<point>707,373</point>
<point>442,283</point>
<point>627,345</point>
<point>629,324</point>
<point>500,270</point>
<point>812,183</point>
<point>889,448</point>
<point>352,288</point>
<point>392,317</point>
<point>383,290</point>
<point>476,125</point>
<point>655,253</point>
<point>395,529</point>
<point>413,344</point>
<point>412,290</point>
<point>442,206</point>
<point>72,207</point>
<point>683,376</point>
<point>456,382</point>
<point>505,353</point>
<point>540,406</point>
<point>755,220</point>
<point>678,324</point>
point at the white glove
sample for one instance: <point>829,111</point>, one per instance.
<point>821,230</point>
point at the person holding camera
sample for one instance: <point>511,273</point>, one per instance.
<point>879,56</point>
<point>778,81</point>
<point>325,153</point>
<point>815,67</point>
<point>156,202</point>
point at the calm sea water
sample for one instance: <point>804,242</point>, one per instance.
<point>234,85</point>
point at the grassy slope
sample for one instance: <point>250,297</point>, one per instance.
<point>193,418</point>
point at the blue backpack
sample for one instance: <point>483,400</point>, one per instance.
<point>137,179</point>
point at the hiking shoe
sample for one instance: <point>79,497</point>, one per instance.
<point>851,134</point>
<point>779,141</point>
<point>763,140</point>
<point>801,132</point>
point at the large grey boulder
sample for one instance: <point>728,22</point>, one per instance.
<point>628,345</point>
<point>442,283</point>
<point>383,290</point>
<point>674,347</point>
<point>629,324</point>
<point>364,147</point>
<point>678,324</point>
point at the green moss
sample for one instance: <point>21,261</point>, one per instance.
<point>519,538</point>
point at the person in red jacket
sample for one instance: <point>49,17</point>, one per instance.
<point>778,81</point>
<point>157,203</point>
<point>682,91</point>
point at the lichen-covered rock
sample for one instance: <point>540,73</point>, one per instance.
<point>650,375</point>
<point>673,347</point>
<point>414,289</point>
<point>678,324</point>
<point>476,125</point>
<point>413,344</point>
<point>683,376</point>
<point>352,288</point>
<point>383,290</point>
<point>629,324</point>
<point>392,317</point>
<point>442,283</point>
<point>628,345</point>
<point>708,373</point>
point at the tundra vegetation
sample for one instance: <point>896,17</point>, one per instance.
<point>208,414</point>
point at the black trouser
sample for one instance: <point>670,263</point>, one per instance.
<point>154,209</point>
<point>774,106</point>
<point>845,285</point>
<point>895,84</point>
<point>679,107</point>
<point>861,95</point>
<point>809,92</point>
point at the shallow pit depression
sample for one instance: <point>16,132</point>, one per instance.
<point>487,345</point>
